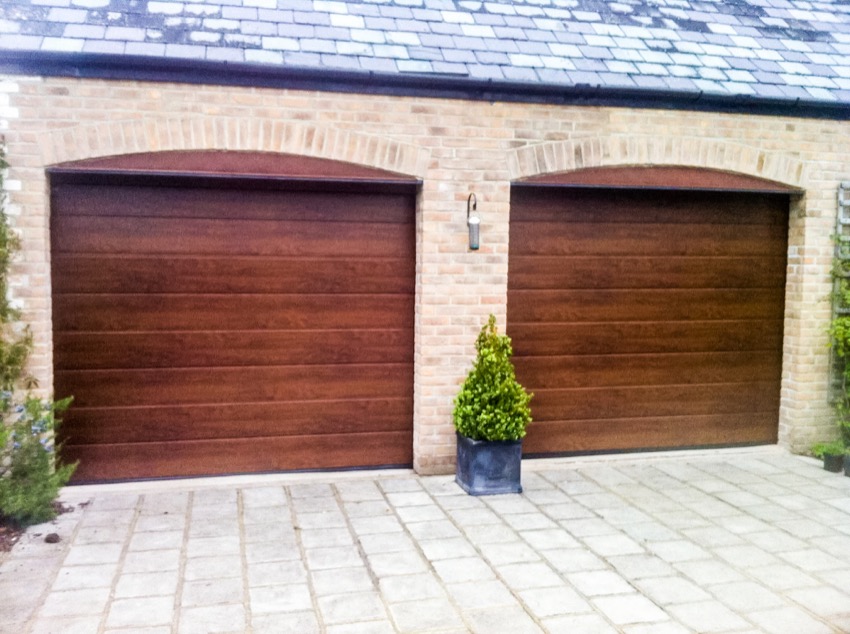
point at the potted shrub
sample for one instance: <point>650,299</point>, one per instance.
<point>491,413</point>
<point>832,454</point>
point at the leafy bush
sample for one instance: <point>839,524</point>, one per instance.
<point>30,476</point>
<point>29,480</point>
<point>491,404</point>
<point>834,448</point>
<point>839,339</point>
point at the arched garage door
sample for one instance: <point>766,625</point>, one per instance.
<point>211,324</point>
<point>646,316</point>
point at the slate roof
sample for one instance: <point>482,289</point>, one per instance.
<point>789,50</point>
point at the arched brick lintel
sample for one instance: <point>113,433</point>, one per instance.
<point>565,156</point>
<point>88,141</point>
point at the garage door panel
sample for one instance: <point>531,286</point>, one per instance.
<point>199,327</point>
<point>537,373</point>
<point>240,455</point>
<point>230,312</point>
<point>163,236</point>
<point>575,436</point>
<point>547,238</point>
<point>647,319</point>
<point>548,306</point>
<point>103,350</point>
<point>647,401</point>
<point>227,204</point>
<point>180,386</point>
<point>577,272</point>
<point>122,425</point>
<point>705,208</point>
<point>538,339</point>
<point>186,274</point>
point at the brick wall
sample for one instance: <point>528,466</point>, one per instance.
<point>454,147</point>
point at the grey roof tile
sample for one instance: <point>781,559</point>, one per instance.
<point>505,46</point>
<point>414,66</point>
<point>596,52</point>
<point>519,73</point>
<point>342,47</point>
<point>436,40</point>
<point>377,64</point>
<point>104,47</point>
<point>154,49</point>
<point>682,71</point>
<point>481,71</point>
<point>413,26</point>
<point>318,46</point>
<point>239,40</point>
<point>580,78</point>
<point>520,22</point>
<point>533,48</point>
<point>62,44</point>
<point>449,68</point>
<point>511,32</point>
<point>447,28</point>
<point>462,56</point>
<point>391,51</point>
<point>255,27</point>
<point>425,53</point>
<point>392,11</point>
<point>186,51</point>
<point>649,81</point>
<point>239,13</point>
<point>366,10</point>
<point>427,15</point>
<point>627,54</point>
<point>559,63</point>
<point>74,16</point>
<point>339,61</point>
<point>221,54</point>
<point>789,48</point>
<point>552,75</point>
<point>386,25</point>
<point>590,65</point>
<point>615,80</point>
<point>85,31</point>
<point>311,17</point>
<point>492,57</point>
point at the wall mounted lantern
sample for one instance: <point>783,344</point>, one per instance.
<point>473,222</point>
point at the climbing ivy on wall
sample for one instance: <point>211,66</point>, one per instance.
<point>839,330</point>
<point>30,474</point>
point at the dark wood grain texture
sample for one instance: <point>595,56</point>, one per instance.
<point>647,320</point>
<point>215,330</point>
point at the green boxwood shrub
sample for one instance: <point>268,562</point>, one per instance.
<point>491,404</point>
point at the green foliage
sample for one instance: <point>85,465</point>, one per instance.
<point>834,448</point>
<point>839,341</point>
<point>491,404</point>
<point>30,475</point>
<point>30,483</point>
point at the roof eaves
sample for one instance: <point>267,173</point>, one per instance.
<point>697,96</point>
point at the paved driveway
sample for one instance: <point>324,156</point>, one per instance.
<point>735,541</point>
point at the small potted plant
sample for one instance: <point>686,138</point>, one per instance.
<point>491,413</point>
<point>832,454</point>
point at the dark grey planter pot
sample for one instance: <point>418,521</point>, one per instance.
<point>488,467</point>
<point>833,463</point>
<point>847,466</point>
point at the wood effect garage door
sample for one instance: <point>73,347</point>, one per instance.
<point>227,330</point>
<point>647,319</point>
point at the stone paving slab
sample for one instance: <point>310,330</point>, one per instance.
<point>728,542</point>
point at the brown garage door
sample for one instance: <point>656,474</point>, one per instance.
<point>647,319</point>
<point>206,330</point>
